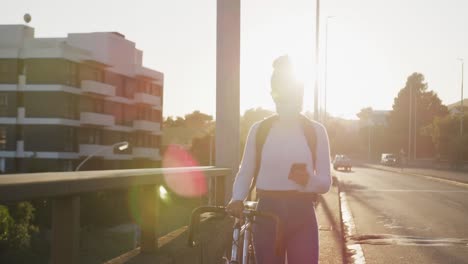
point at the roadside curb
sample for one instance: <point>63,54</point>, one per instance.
<point>330,232</point>
<point>432,177</point>
<point>352,252</point>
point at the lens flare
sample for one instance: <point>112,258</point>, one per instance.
<point>163,193</point>
<point>186,184</point>
<point>133,204</point>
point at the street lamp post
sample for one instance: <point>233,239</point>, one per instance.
<point>409,119</point>
<point>370,123</point>
<point>369,141</point>
<point>415,126</point>
<point>317,24</point>
<point>326,70</point>
<point>120,145</point>
<point>461,101</point>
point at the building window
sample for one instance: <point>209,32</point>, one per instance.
<point>69,139</point>
<point>119,84</point>
<point>90,136</point>
<point>2,165</point>
<point>72,107</point>
<point>8,71</point>
<point>3,137</point>
<point>98,106</point>
<point>129,87</point>
<point>72,74</point>
<point>67,165</point>
<point>4,68</point>
<point>144,113</point>
<point>97,133</point>
<point>3,100</point>
<point>118,114</point>
<point>3,104</point>
<point>138,140</point>
<point>156,89</point>
<point>97,75</point>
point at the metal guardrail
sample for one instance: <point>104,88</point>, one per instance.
<point>64,189</point>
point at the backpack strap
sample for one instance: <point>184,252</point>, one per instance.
<point>311,137</point>
<point>260,138</point>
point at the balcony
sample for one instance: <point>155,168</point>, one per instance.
<point>96,119</point>
<point>148,99</point>
<point>147,126</point>
<point>98,88</point>
<point>146,153</point>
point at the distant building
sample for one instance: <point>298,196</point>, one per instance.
<point>62,99</point>
<point>455,108</point>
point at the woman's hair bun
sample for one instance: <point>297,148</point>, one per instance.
<point>283,64</point>
<point>282,73</point>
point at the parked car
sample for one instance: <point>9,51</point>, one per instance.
<point>342,161</point>
<point>388,159</point>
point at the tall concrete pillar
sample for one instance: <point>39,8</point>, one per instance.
<point>228,90</point>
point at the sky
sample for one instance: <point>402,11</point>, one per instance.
<point>372,47</point>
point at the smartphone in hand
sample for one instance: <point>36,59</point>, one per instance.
<point>299,174</point>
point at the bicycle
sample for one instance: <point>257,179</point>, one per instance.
<point>242,243</point>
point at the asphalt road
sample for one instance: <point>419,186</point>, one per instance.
<point>406,219</point>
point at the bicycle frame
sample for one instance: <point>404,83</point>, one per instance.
<point>242,231</point>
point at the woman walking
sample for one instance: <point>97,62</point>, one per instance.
<point>287,159</point>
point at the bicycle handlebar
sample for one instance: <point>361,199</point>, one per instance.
<point>195,221</point>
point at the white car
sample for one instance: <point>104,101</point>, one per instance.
<point>388,159</point>
<point>342,161</point>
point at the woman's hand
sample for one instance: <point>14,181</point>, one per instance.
<point>235,208</point>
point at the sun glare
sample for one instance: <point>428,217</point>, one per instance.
<point>263,45</point>
<point>300,66</point>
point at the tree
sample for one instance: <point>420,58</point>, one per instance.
<point>198,120</point>
<point>445,134</point>
<point>169,122</point>
<point>16,227</point>
<point>365,117</point>
<point>425,106</point>
<point>342,136</point>
<point>201,149</point>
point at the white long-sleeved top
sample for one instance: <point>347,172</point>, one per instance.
<point>285,144</point>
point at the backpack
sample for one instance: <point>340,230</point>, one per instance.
<point>262,134</point>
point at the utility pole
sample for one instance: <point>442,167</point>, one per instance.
<point>369,140</point>
<point>415,124</point>
<point>409,122</point>
<point>317,24</point>
<point>326,71</point>
<point>461,99</point>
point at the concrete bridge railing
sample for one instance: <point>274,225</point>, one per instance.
<point>64,189</point>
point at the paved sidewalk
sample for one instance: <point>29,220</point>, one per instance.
<point>458,176</point>
<point>331,239</point>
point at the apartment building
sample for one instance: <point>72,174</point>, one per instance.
<point>63,99</point>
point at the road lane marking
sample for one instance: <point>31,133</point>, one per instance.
<point>401,240</point>
<point>429,177</point>
<point>354,253</point>
<point>434,178</point>
<point>406,190</point>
